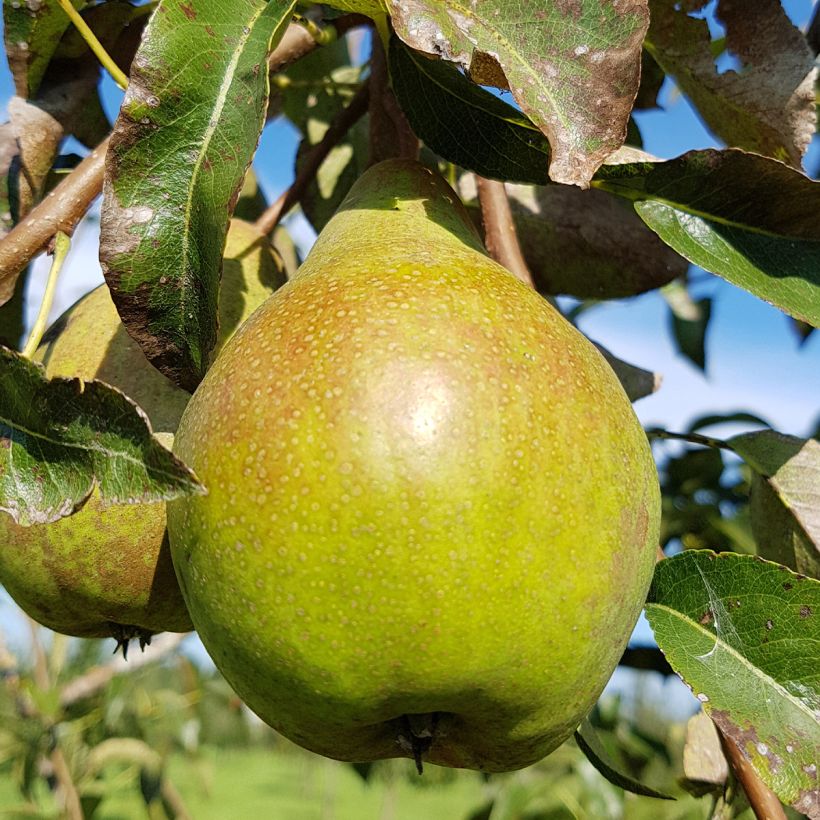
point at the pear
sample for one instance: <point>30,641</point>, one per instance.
<point>106,570</point>
<point>432,514</point>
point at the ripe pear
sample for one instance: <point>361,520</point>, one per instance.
<point>432,514</point>
<point>106,570</point>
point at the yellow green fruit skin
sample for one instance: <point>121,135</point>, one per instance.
<point>107,567</point>
<point>428,495</point>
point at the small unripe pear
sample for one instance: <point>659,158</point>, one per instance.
<point>106,570</point>
<point>431,515</point>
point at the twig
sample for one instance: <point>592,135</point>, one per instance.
<point>341,124</point>
<point>71,798</point>
<point>692,438</point>
<point>500,235</point>
<point>61,210</point>
<point>94,44</point>
<point>61,248</point>
<point>97,678</point>
<point>764,802</point>
<point>390,133</point>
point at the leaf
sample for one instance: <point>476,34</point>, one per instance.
<point>573,67</point>
<point>60,438</point>
<point>181,146</point>
<point>587,244</point>
<point>587,739</point>
<point>785,498</point>
<point>767,106</point>
<point>690,321</point>
<point>744,634</point>
<point>747,218</point>
<point>8,151</point>
<point>637,382</point>
<point>462,122</point>
<point>32,33</point>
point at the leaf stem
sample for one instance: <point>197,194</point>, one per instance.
<point>94,44</point>
<point>692,438</point>
<point>62,244</point>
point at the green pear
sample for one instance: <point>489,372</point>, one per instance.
<point>106,570</point>
<point>432,515</point>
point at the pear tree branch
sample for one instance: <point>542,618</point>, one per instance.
<point>340,125</point>
<point>500,235</point>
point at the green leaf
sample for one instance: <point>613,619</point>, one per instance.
<point>785,498</point>
<point>747,218</point>
<point>182,143</point>
<point>32,34</point>
<point>690,321</point>
<point>573,68</point>
<point>768,105</point>
<point>60,438</point>
<point>636,382</point>
<point>744,634</point>
<point>587,739</point>
<point>462,122</point>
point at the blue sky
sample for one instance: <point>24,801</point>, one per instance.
<point>753,360</point>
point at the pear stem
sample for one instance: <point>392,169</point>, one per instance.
<point>340,125</point>
<point>500,235</point>
<point>62,244</point>
<point>391,135</point>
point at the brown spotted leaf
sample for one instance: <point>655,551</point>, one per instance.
<point>744,634</point>
<point>573,66</point>
<point>59,438</point>
<point>185,136</point>
<point>767,105</point>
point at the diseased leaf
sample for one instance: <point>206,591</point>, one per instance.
<point>463,123</point>
<point>785,498</point>
<point>60,438</point>
<point>747,218</point>
<point>32,34</point>
<point>744,634</point>
<point>690,321</point>
<point>588,741</point>
<point>767,106</point>
<point>573,67</point>
<point>181,146</point>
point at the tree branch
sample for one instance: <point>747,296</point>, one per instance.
<point>764,802</point>
<point>500,235</point>
<point>61,210</point>
<point>342,123</point>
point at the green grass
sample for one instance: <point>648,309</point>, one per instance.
<point>252,783</point>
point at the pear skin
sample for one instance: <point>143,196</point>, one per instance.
<point>432,513</point>
<point>106,570</point>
